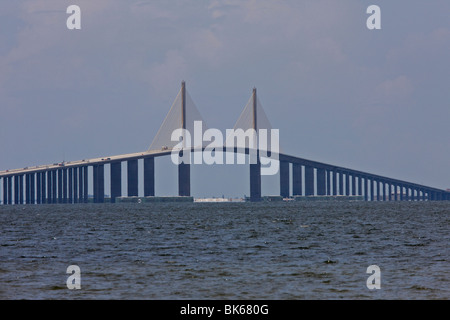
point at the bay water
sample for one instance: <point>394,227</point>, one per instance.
<point>269,250</point>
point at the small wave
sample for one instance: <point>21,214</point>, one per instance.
<point>415,244</point>
<point>57,288</point>
<point>301,248</point>
<point>420,288</point>
<point>329,261</point>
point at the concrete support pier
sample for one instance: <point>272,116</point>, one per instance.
<point>10,195</point>
<point>21,199</point>
<point>255,182</point>
<point>184,180</point>
<point>321,191</point>
<point>328,175</point>
<point>64,191</point>
<point>132,178</point>
<point>27,188</point>
<point>33,188</point>
<point>335,177</point>
<point>60,184</point>
<point>43,188</point>
<point>70,187</point>
<point>341,183</point>
<point>116,180</point>
<point>284,179</point>
<point>347,184</point>
<point>149,177</point>
<point>297,179</point>
<point>99,183</point>
<point>309,181</point>
<point>80,185</point>
<point>38,188</point>
<point>75,185</point>
<point>54,187</point>
<point>16,189</point>
<point>85,184</point>
<point>354,191</point>
<point>5,190</point>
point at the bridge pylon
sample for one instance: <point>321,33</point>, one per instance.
<point>182,115</point>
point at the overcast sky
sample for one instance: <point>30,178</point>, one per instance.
<point>371,100</point>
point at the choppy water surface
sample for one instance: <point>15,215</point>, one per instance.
<point>226,250</point>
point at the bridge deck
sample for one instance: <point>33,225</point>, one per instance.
<point>159,153</point>
<point>84,162</point>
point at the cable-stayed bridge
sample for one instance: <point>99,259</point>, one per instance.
<point>69,182</point>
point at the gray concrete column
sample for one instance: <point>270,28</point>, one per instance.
<point>284,179</point>
<point>335,175</point>
<point>75,184</point>
<point>360,189</point>
<point>353,185</point>
<point>99,183</point>
<point>10,190</point>
<point>54,186</point>
<point>116,180</point>
<point>28,188</point>
<point>372,190</point>
<point>80,185</point>
<point>21,200</point>
<point>5,190</point>
<point>297,179</point>
<point>38,188</point>
<point>377,190</point>
<point>32,188</point>
<point>309,181</point>
<point>43,188</point>
<point>60,185</point>
<point>347,184</point>
<point>149,177</point>
<point>64,173</point>
<point>85,184</point>
<point>132,178</point>
<point>255,179</point>
<point>328,175</point>
<point>70,186</point>
<point>95,182</point>
<point>16,189</point>
<point>366,189</point>
<point>321,191</point>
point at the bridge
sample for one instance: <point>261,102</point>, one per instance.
<point>68,182</point>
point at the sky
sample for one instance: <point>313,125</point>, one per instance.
<point>377,101</point>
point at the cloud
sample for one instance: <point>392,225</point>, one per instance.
<point>394,90</point>
<point>423,55</point>
<point>387,102</point>
<point>436,42</point>
<point>151,10</point>
<point>205,47</point>
<point>328,49</point>
<point>172,70</point>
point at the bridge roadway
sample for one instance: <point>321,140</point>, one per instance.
<point>67,182</point>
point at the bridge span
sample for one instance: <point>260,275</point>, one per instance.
<point>68,182</point>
